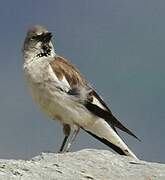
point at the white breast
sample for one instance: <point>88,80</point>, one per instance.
<point>46,91</point>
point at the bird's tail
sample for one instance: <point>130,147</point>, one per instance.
<point>102,131</point>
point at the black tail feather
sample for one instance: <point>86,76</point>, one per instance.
<point>109,144</point>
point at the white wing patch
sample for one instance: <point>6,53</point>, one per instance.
<point>63,83</point>
<point>52,74</point>
<point>97,103</point>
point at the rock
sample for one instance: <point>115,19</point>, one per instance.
<point>86,164</point>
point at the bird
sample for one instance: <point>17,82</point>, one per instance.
<point>66,96</point>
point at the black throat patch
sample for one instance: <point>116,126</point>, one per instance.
<point>46,50</point>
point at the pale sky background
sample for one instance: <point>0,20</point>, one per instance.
<point>118,45</point>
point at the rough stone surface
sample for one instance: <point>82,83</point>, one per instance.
<point>84,165</point>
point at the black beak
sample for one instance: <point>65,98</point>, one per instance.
<point>46,37</point>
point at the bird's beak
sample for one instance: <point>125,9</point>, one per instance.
<point>46,37</point>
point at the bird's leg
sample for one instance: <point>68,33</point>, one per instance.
<point>66,130</point>
<point>72,138</point>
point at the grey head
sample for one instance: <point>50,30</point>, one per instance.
<point>38,43</point>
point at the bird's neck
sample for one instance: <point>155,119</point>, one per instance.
<point>31,56</point>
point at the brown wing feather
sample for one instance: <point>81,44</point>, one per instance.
<point>62,67</point>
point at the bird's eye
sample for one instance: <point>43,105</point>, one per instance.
<point>32,38</point>
<point>36,37</point>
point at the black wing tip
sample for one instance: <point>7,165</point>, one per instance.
<point>133,135</point>
<point>119,125</point>
<point>137,138</point>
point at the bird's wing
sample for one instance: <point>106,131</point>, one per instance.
<point>97,106</point>
<point>104,130</point>
<point>65,70</point>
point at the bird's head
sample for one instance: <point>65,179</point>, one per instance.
<point>38,43</point>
